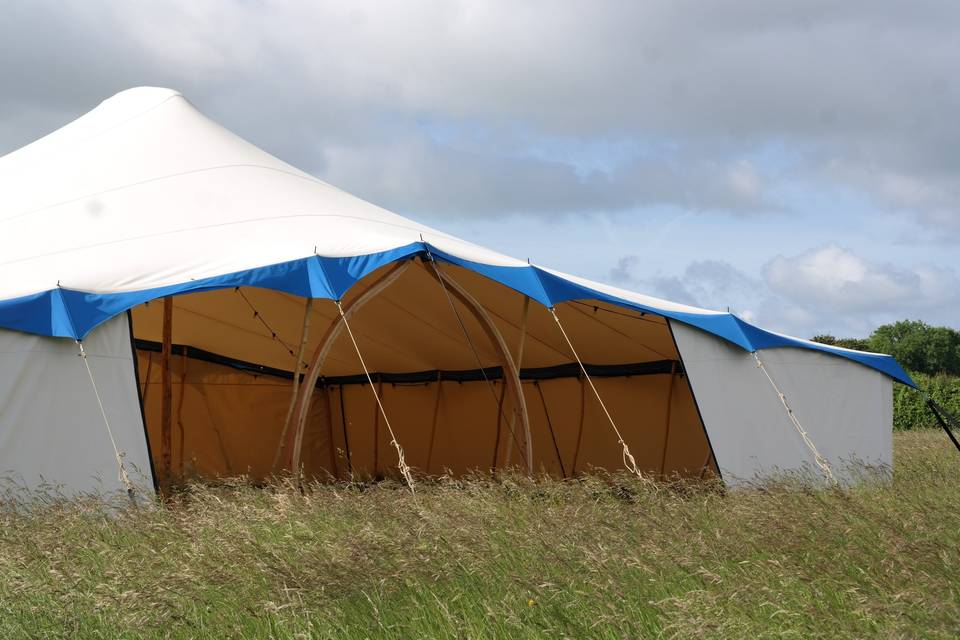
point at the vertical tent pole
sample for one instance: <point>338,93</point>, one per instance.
<point>183,387</point>
<point>304,334</point>
<point>334,470</point>
<point>166,397</point>
<point>146,378</point>
<point>523,341</point>
<point>346,437</point>
<point>666,432</point>
<point>436,415</point>
<point>553,435</point>
<point>376,430</point>
<point>583,411</point>
<point>496,441</point>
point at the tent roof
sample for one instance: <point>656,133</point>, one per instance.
<point>145,196</point>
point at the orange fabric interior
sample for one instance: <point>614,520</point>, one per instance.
<point>228,421</point>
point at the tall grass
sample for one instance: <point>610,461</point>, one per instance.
<point>506,558</point>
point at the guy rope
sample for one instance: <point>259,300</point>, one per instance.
<point>817,458</point>
<point>123,477</point>
<point>401,461</point>
<point>628,460</point>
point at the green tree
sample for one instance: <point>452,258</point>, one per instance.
<point>919,347</point>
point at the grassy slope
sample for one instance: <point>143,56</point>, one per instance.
<point>513,559</point>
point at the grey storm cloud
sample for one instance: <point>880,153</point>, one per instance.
<point>857,94</point>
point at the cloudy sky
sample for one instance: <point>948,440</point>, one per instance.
<point>797,162</point>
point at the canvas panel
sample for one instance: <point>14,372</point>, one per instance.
<point>228,422</point>
<point>51,428</point>
<point>845,407</point>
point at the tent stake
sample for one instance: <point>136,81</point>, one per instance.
<point>166,396</point>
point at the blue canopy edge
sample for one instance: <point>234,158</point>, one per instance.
<point>73,314</point>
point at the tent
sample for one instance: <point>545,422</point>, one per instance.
<point>170,305</point>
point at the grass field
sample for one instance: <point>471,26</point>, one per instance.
<point>597,558</point>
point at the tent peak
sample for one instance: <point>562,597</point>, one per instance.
<point>137,99</point>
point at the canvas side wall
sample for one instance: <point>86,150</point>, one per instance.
<point>228,421</point>
<point>51,429</point>
<point>846,408</point>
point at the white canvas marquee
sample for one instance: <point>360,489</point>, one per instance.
<point>202,276</point>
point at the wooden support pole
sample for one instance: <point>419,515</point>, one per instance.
<point>553,435</point>
<point>436,416</point>
<point>376,432</point>
<point>496,442</point>
<point>298,365</point>
<point>666,434</point>
<point>583,412</point>
<point>523,341</point>
<point>346,436</point>
<point>334,470</point>
<point>180,429</point>
<point>146,378</point>
<point>166,398</point>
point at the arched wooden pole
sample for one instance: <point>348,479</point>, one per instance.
<point>298,365</point>
<point>519,362</point>
<point>323,349</point>
<point>511,374</point>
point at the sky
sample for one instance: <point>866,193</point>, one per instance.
<point>797,163</point>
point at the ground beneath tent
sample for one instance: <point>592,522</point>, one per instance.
<point>505,559</point>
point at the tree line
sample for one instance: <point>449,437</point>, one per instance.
<point>917,346</point>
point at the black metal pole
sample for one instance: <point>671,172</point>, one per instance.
<point>943,423</point>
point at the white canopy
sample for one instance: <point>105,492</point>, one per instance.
<point>145,196</point>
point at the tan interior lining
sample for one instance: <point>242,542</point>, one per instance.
<point>231,419</point>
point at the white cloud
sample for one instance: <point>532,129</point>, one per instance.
<point>858,93</point>
<point>824,289</point>
<point>833,279</point>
